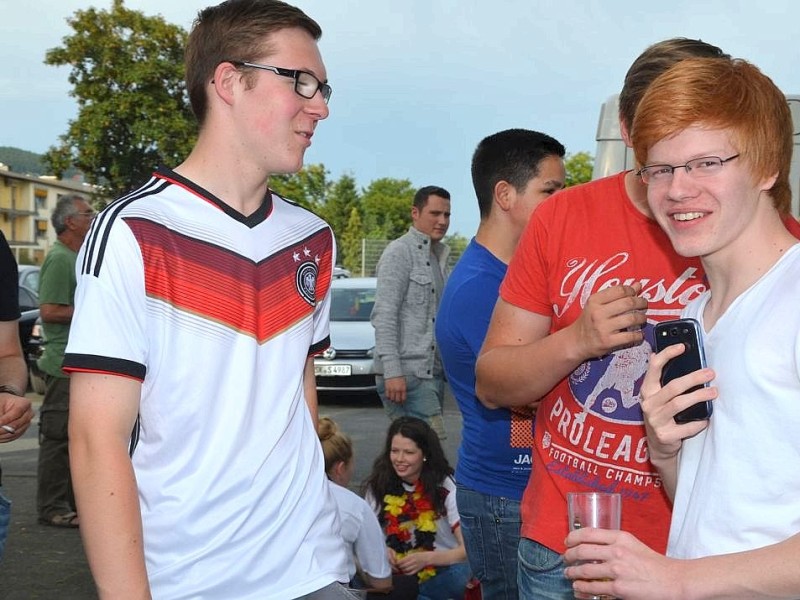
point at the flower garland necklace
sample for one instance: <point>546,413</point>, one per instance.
<point>411,513</point>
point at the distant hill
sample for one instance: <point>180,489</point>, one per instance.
<point>22,161</point>
<point>27,163</point>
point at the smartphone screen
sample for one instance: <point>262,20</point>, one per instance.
<point>687,332</point>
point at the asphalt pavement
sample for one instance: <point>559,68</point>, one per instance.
<point>48,563</point>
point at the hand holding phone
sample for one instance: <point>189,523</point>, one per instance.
<point>688,333</point>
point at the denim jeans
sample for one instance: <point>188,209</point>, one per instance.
<point>424,400</point>
<point>5,519</point>
<point>541,573</point>
<point>490,525</point>
<point>449,583</point>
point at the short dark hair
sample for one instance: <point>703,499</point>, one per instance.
<point>421,197</point>
<point>654,61</point>
<point>512,155</point>
<point>236,30</point>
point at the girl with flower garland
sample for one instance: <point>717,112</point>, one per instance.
<point>411,489</point>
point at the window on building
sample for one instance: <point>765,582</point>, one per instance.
<point>41,198</point>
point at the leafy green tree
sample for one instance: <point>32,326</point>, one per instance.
<point>387,208</point>
<point>309,187</point>
<point>578,167</point>
<point>458,243</point>
<point>350,242</point>
<point>341,199</point>
<point>133,109</point>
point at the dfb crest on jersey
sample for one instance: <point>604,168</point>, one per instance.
<point>306,281</point>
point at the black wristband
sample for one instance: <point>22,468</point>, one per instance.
<point>10,389</point>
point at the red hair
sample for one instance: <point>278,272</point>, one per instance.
<point>722,94</point>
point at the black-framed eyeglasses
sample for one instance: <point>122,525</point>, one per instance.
<point>305,84</point>
<point>697,167</point>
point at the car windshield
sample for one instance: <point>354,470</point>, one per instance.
<point>352,304</point>
<point>30,279</point>
<point>27,300</point>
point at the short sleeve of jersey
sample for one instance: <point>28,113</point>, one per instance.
<point>370,543</point>
<point>108,327</point>
<point>526,282</point>
<point>9,282</point>
<point>453,518</point>
<point>322,310</point>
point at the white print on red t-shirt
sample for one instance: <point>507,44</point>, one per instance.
<point>583,279</point>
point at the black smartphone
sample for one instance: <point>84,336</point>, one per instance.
<point>688,333</point>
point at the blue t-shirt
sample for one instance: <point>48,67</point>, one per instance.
<point>494,455</point>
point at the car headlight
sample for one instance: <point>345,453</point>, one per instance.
<point>371,352</point>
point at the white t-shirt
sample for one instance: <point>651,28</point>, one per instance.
<point>216,314</point>
<point>361,533</point>
<point>739,480</point>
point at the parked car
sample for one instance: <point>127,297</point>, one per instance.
<point>30,336</point>
<point>29,277</point>
<point>340,272</point>
<point>29,312</point>
<point>346,366</point>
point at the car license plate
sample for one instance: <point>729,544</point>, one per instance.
<point>332,370</point>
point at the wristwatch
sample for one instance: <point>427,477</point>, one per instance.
<point>10,389</point>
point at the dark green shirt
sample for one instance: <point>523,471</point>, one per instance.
<point>57,285</point>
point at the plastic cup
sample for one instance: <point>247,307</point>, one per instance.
<point>593,509</point>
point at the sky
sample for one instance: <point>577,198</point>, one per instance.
<point>418,83</point>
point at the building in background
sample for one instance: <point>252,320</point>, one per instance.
<point>26,202</point>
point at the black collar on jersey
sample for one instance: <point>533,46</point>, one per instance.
<point>257,217</point>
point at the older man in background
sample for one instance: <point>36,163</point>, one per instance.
<point>54,498</point>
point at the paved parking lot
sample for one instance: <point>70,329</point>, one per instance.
<point>46,563</point>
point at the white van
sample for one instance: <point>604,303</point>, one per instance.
<point>613,155</point>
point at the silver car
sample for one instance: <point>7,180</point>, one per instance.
<point>346,366</point>
<point>340,272</point>
<point>29,276</point>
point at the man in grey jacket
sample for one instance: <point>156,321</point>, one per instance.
<point>411,274</point>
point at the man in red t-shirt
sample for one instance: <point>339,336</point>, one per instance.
<point>591,276</point>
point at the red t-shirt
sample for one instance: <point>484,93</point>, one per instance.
<point>589,432</point>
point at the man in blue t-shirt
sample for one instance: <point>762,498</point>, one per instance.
<point>512,172</point>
